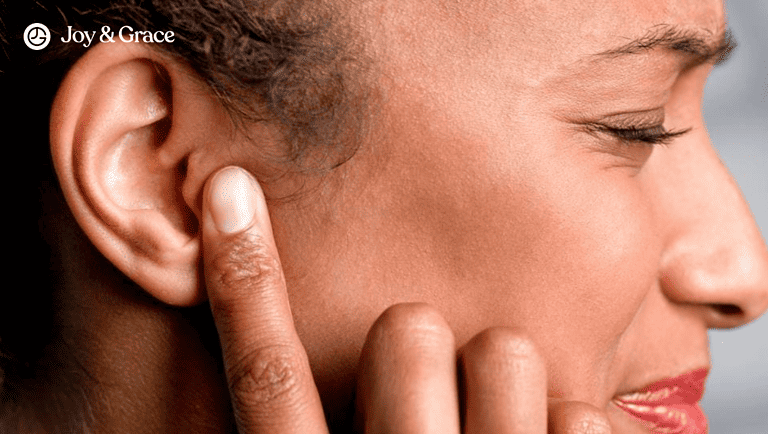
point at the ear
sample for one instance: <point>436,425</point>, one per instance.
<point>126,125</point>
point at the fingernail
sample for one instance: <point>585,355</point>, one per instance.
<point>232,199</point>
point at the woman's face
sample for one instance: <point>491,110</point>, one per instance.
<point>511,178</point>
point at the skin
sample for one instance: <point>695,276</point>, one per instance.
<point>514,217</point>
<point>560,267</point>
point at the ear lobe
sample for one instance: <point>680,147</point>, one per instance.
<point>120,151</point>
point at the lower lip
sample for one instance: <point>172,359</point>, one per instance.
<point>669,406</point>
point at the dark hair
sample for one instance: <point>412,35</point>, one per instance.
<point>266,60</point>
<point>283,61</point>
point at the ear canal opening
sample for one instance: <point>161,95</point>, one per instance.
<point>161,130</point>
<point>190,223</point>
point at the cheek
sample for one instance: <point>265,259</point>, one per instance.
<point>590,253</point>
<point>602,240</point>
<point>599,262</point>
<point>547,241</point>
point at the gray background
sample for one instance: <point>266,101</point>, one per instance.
<point>736,112</point>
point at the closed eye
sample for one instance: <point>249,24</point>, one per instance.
<point>656,135</point>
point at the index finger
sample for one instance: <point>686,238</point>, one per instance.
<point>266,366</point>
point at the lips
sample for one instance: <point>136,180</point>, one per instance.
<point>670,405</point>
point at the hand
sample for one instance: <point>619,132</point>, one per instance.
<point>408,379</point>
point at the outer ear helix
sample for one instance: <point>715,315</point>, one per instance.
<point>121,165</point>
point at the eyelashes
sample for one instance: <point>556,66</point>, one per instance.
<point>645,136</point>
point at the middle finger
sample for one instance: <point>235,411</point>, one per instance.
<point>407,382</point>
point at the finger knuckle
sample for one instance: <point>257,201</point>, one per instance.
<point>247,265</point>
<point>267,378</point>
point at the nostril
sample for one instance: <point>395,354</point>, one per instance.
<point>728,309</point>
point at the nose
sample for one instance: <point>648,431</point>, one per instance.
<point>714,255</point>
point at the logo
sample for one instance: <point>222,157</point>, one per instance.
<point>37,36</point>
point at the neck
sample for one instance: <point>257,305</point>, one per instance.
<point>146,367</point>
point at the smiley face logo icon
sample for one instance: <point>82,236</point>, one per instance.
<point>37,36</point>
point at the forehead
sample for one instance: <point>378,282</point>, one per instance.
<point>547,21</point>
<point>538,32</point>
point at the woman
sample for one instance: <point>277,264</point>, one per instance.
<point>537,178</point>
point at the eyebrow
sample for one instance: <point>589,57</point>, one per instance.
<point>700,46</point>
